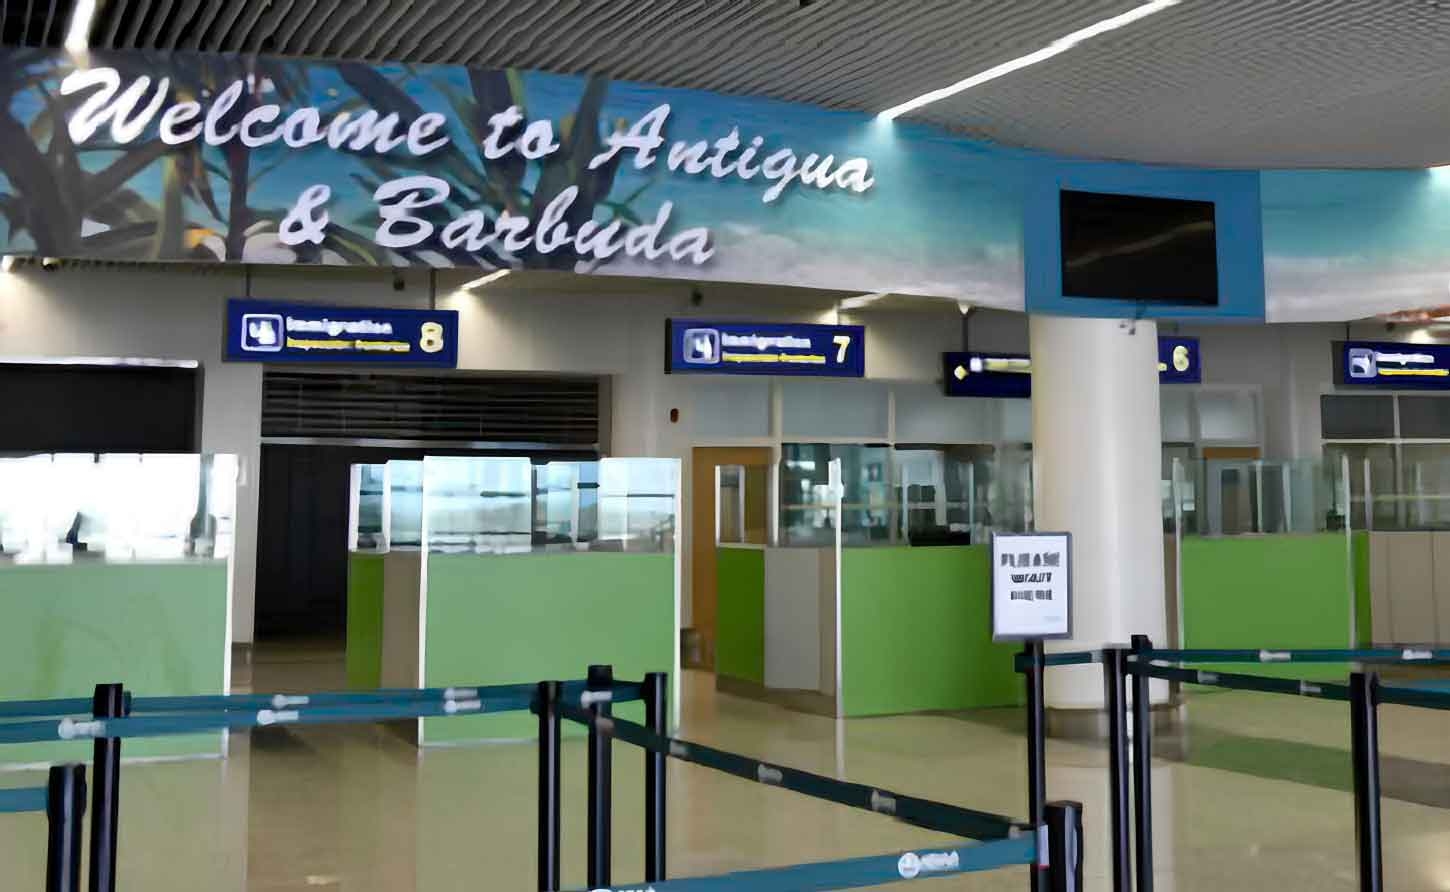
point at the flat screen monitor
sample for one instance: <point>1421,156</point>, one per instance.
<point>1131,247</point>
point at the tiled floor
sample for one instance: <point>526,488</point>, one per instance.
<point>1251,796</point>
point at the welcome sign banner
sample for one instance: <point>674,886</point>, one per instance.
<point>202,157</point>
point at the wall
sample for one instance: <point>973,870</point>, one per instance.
<point>610,327</point>
<point>525,323</point>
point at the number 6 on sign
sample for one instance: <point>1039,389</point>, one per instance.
<point>842,342</point>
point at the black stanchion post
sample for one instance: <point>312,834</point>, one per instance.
<point>109,703</point>
<point>1033,659</point>
<point>65,807</point>
<point>1364,748</point>
<point>601,679</point>
<point>1064,846</point>
<point>549,727</point>
<point>1142,771</point>
<point>656,718</point>
<point>1113,661</point>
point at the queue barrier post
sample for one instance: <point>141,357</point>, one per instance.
<point>1033,661</point>
<point>600,680</point>
<point>1142,771</point>
<point>110,702</point>
<point>549,807</point>
<point>656,718</point>
<point>1114,662</point>
<point>1064,846</point>
<point>1364,749</point>
<point>65,807</point>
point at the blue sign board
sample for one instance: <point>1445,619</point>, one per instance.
<point>264,331</point>
<point>1394,366</point>
<point>995,375</point>
<point>1178,361</point>
<point>1009,375</point>
<point>745,348</point>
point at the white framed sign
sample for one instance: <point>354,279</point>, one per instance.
<point>1031,586</point>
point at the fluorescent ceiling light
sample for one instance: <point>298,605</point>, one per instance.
<point>862,300</point>
<point>1057,47</point>
<point>485,280</point>
<point>143,362</point>
<point>78,38</point>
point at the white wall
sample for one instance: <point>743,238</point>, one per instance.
<point>1290,365</point>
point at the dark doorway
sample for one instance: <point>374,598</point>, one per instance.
<point>302,542</point>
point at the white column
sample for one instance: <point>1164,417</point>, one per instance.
<point>1097,457</point>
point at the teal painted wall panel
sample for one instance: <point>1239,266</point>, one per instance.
<point>740,613</point>
<point>364,621</point>
<point>158,628</point>
<point>917,632</point>
<point>510,619</point>
<point>1288,591</point>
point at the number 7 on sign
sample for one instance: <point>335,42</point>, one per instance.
<point>842,342</point>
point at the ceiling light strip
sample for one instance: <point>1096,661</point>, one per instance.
<point>1057,47</point>
<point>78,37</point>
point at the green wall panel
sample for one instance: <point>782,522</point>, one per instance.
<point>917,632</point>
<point>1283,591</point>
<point>364,620</point>
<point>740,617</point>
<point>1363,609</point>
<point>510,619</point>
<point>158,628</point>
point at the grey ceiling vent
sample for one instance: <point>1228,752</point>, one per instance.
<point>452,409</point>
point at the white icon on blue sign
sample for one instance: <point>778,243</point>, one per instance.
<point>261,332</point>
<point>1361,363</point>
<point>702,346</point>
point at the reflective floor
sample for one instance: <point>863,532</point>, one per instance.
<point>1252,794</point>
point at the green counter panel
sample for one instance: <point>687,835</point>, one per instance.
<point>1280,591</point>
<point>740,616</point>
<point>1363,602</point>
<point>514,619</point>
<point>917,632</point>
<point>158,628</point>
<point>364,620</point>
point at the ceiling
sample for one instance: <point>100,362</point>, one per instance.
<point>1259,83</point>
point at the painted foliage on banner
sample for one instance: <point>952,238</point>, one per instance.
<point>198,157</point>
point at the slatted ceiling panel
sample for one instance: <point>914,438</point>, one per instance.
<point>1211,82</point>
<point>437,409</point>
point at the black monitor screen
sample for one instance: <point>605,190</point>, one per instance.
<point>1128,247</point>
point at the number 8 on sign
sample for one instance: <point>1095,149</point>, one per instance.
<point>430,339</point>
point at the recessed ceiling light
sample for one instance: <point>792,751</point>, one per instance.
<point>1057,47</point>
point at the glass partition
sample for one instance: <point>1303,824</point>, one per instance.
<point>510,506</point>
<point>1398,487</point>
<point>405,504</point>
<point>61,508</point>
<point>868,505</point>
<point>960,495</point>
<point>930,495</point>
<point>368,528</point>
<point>1230,497</point>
